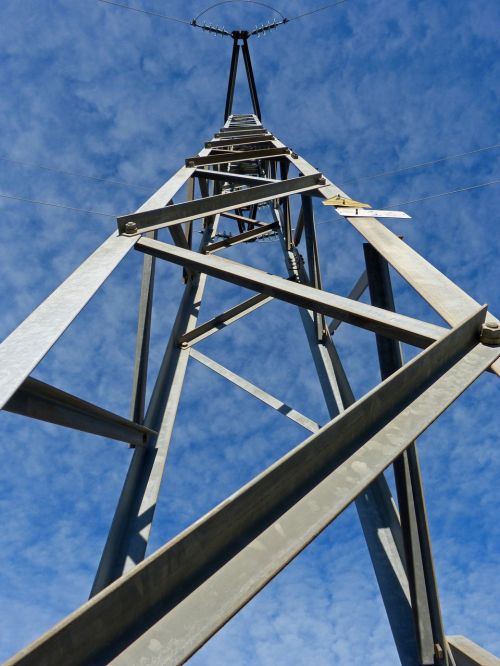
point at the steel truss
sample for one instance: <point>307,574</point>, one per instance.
<point>182,594</point>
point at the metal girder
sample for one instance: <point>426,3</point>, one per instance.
<point>443,295</point>
<point>313,259</point>
<point>412,331</point>
<point>251,79</point>
<point>168,606</point>
<point>25,347</point>
<point>129,533</point>
<point>238,156</point>
<point>257,392</point>
<point>223,320</point>
<point>466,653</point>
<point>246,140</point>
<point>229,132</point>
<point>244,237</point>
<point>228,177</point>
<point>178,598</point>
<point>41,401</point>
<point>415,530</point>
<point>235,56</point>
<point>219,203</point>
<point>140,377</point>
<point>242,218</point>
<point>375,506</point>
<point>355,294</point>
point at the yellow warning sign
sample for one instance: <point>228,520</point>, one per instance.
<point>342,202</point>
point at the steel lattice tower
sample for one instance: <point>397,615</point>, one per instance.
<point>180,596</point>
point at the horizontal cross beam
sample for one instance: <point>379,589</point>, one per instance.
<point>236,141</point>
<point>191,210</point>
<point>178,598</point>
<point>391,324</point>
<point>443,295</point>
<point>246,236</point>
<point>228,177</point>
<point>238,156</point>
<point>44,402</point>
<point>240,132</point>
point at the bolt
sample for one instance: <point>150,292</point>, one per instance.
<point>294,155</point>
<point>438,651</point>
<point>131,228</point>
<point>189,163</point>
<point>321,180</point>
<point>490,334</point>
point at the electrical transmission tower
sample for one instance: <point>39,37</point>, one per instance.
<point>162,609</point>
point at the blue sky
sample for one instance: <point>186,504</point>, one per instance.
<point>362,88</point>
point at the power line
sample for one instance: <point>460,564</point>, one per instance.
<point>111,181</point>
<point>96,212</point>
<point>445,194</point>
<point>56,205</point>
<point>315,11</point>
<point>422,164</point>
<point>145,11</point>
<point>31,165</point>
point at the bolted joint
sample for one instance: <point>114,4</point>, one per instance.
<point>190,163</point>
<point>295,155</point>
<point>438,652</point>
<point>490,333</point>
<point>321,179</point>
<point>130,228</point>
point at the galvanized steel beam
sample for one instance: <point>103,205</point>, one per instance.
<point>191,210</point>
<point>250,235</point>
<point>443,295</point>
<point>129,533</point>
<point>238,156</point>
<point>229,177</point>
<point>412,331</point>
<point>224,319</point>
<point>415,531</point>
<point>355,294</point>
<point>232,79</point>
<point>257,392</point>
<point>41,401</point>
<point>186,591</point>
<point>25,347</point>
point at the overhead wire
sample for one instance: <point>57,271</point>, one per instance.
<point>76,174</point>
<point>193,22</point>
<point>56,205</point>
<point>112,181</point>
<point>445,194</point>
<point>315,11</point>
<point>96,212</point>
<point>422,164</point>
<point>146,11</point>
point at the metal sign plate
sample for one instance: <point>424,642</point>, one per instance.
<point>370,212</point>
